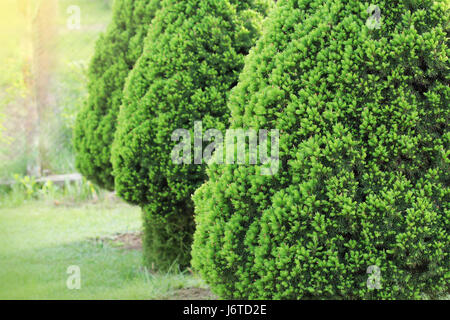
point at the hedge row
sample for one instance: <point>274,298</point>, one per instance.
<point>359,208</point>
<point>363,185</point>
<point>183,71</point>
<point>115,55</point>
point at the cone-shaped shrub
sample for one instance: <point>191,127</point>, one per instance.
<point>115,55</point>
<point>192,57</point>
<point>363,184</point>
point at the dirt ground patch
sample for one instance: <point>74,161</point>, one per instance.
<point>128,241</point>
<point>125,241</point>
<point>192,294</point>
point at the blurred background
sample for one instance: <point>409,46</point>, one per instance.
<point>52,219</point>
<point>45,51</point>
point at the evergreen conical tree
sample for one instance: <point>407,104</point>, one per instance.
<point>359,208</point>
<point>115,55</point>
<point>193,55</point>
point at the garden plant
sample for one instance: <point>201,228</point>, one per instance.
<point>359,208</point>
<point>115,55</point>
<point>192,57</point>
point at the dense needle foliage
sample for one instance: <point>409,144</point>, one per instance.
<point>116,53</point>
<point>193,55</point>
<point>364,179</point>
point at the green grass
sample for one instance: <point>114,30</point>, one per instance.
<point>39,241</point>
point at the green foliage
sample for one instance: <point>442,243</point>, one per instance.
<point>116,53</point>
<point>13,87</point>
<point>167,239</point>
<point>25,189</point>
<point>364,158</point>
<point>72,82</point>
<point>27,185</point>
<point>192,57</point>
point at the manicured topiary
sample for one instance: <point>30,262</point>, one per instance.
<point>115,55</point>
<point>193,55</point>
<point>363,183</point>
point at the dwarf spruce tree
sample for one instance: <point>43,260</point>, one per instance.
<point>115,55</point>
<point>192,57</point>
<point>360,206</point>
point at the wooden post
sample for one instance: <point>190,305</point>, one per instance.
<point>26,8</point>
<point>44,29</point>
<point>40,17</point>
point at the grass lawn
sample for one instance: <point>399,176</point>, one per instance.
<point>40,240</point>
